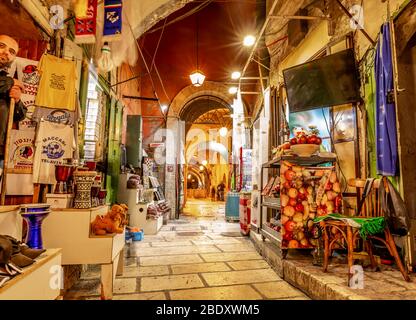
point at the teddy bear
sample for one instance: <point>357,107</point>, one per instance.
<point>113,222</point>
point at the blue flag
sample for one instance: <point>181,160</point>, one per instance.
<point>386,131</point>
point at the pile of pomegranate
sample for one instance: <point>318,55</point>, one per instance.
<point>304,195</point>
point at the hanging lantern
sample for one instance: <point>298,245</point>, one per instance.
<point>197,78</point>
<point>105,63</point>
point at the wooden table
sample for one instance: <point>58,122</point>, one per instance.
<point>40,281</point>
<point>69,229</point>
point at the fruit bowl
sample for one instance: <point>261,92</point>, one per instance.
<point>305,150</point>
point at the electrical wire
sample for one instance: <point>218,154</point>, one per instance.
<point>157,46</point>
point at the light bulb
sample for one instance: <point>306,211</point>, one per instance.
<point>164,107</point>
<point>204,162</point>
<point>249,40</point>
<point>232,90</point>
<point>236,75</point>
<point>223,131</point>
<point>105,63</point>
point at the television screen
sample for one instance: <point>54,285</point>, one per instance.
<point>328,81</point>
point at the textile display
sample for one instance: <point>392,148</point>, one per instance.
<point>21,151</point>
<point>57,83</point>
<point>386,131</point>
<point>27,73</point>
<point>55,115</point>
<point>54,142</point>
<point>366,226</point>
<point>85,21</point>
<point>113,12</point>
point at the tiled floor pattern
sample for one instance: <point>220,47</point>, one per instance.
<point>207,265</point>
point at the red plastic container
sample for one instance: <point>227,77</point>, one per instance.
<point>245,212</point>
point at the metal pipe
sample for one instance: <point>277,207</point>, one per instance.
<point>258,38</point>
<point>299,17</point>
<point>261,64</point>
<point>140,98</point>
<point>356,22</point>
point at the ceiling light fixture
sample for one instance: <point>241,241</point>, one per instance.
<point>236,75</point>
<point>249,41</point>
<point>232,90</point>
<point>223,132</point>
<point>105,62</point>
<point>164,107</point>
<point>197,77</point>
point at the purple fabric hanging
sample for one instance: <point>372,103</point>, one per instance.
<point>386,131</point>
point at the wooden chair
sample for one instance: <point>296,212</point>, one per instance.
<point>371,208</point>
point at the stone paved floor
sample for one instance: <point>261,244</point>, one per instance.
<point>199,256</point>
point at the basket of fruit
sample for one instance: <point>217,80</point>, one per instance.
<point>305,144</point>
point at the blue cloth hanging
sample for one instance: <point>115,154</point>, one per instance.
<point>386,131</point>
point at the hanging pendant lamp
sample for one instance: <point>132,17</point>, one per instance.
<point>197,77</point>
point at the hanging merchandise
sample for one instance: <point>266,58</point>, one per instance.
<point>57,83</point>
<point>386,135</point>
<point>113,12</point>
<point>85,21</point>
<point>54,143</point>
<point>27,73</point>
<point>21,151</point>
<point>55,115</point>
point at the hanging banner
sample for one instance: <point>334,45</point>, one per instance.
<point>113,13</point>
<point>21,151</point>
<point>28,74</point>
<point>85,21</point>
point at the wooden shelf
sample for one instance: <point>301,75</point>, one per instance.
<point>35,281</point>
<point>270,205</point>
<point>301,161</point>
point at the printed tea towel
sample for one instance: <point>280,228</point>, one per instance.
<point>54,143</point>
<point>21,151</point>
<point>57,83</point>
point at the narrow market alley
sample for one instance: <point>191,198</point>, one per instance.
<point>197,257</point>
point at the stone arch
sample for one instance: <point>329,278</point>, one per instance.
<point>189,93</point>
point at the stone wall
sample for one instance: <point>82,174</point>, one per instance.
<point>72,273</point>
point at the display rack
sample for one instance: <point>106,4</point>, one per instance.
<point>274,207</point>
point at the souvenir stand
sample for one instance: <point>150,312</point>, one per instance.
<point>144,209</point>
<point>295,194</point>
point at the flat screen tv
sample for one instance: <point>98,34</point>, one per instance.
<point>328,81</point>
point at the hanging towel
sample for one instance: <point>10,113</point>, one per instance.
<point>57,83</point>
<point>27,72</point>
<point>54,143</point>
<point>386,134</point>
<point>112,20</point>
<point>85,21</point>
